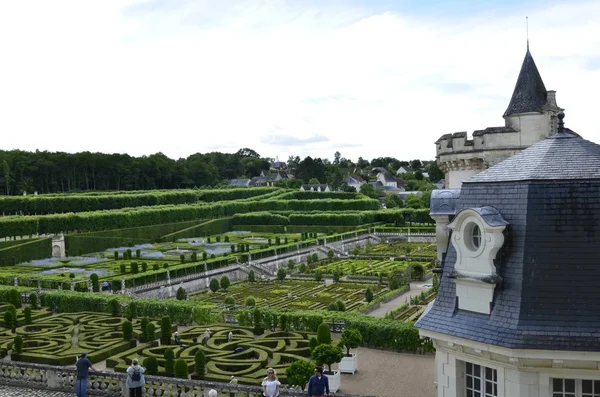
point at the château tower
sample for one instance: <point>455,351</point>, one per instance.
<point>530,117</point>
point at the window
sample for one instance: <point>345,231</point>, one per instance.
<point>481,381</point>
<point>476,236</point>
<point>575,388</point>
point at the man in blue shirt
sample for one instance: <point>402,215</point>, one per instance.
<point>318,385</point>
<point>83,367</point>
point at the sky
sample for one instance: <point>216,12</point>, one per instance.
<point>367,78</point>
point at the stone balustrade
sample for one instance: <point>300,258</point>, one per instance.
<point>105,383</point>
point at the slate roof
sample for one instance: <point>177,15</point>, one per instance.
<point>239,182</point>
<point>530,93</point>
<point>388,177</point>
<point>544,161</point>
<point>549,295</point>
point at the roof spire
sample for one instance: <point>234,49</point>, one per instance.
<point>527,30</point>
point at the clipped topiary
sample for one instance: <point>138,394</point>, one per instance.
<point>369,294</point>
<point>250,301</point>
<point>169,356</point>
<point>18,344</point>
<point>323,334</point>
<point>281,273</point>
<point>33,301</point>
<point>151,366</point>
<point>200,363</point>
<point>181,369</point>
<point>150,332</point>
<point>27,314</point>
<point>214,285</point>
<point>14,298</point>
<point>251,276</point>
<point>127,329</point>
<point>312,343</point>
<point>143,326</point>
<point>341,306</point>
<point>165,329</point>
<point>181,294</point>
<point>115,307</point>
<point>225,283</point>
<point>95,282</point>
<point>283,322</point>
<point>230,300</point>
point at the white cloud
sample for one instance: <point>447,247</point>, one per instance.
<point>182,77</point>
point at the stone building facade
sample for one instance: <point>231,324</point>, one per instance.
<point>529,118</point>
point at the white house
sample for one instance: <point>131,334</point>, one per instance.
<point>518,307</point>
<point>387,179</point>
<point>315,188</point>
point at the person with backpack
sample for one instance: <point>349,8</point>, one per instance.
<point>135,379</point>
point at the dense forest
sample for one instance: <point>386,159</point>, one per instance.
<point>52,172</point>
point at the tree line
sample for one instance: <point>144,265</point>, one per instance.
<point>55,172</point>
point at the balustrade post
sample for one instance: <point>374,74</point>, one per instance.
<point>52,379</point>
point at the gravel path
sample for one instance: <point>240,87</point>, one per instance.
<point>415,289</point>
<point>9,391</point>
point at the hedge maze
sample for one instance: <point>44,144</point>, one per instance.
<point>246,357</point>
<point>293,294</point>
<point>58,339</point>
<point>369,267</point>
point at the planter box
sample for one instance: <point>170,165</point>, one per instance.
<point>335,380</point>
<point>348,364</point>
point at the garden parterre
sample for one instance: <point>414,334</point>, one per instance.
<point>367,267</point>
<point>293,294</point>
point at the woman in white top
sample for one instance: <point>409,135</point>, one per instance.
<point>270,384</point>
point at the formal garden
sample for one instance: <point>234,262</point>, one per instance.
<point>52,309</point>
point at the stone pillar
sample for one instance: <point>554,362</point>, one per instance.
<point>16,281</point>
<point>72,286</point>
<point>123,285</point>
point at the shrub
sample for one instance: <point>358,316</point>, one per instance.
<point>214,285</point>
<point>283,322</point>
<point>258,326</point>
<point>312,343</point>
<point>327,354</point>
<point>281,273</point>
<point>151,365</point>
<point>71,275</point>
<point>150,331</point>
<point>143,326</point>
<point>27,314</point>
<point>299,373</point>
<point>116,255</point>
<point>123,268</point>
<point>182,258</point>
<point>95,282</point>
<point>115,307</point>
<point>218,239</point>
<point>9,320</point>
<point>144,266</point>
<point>165,329</point>
<point>169,357</point>
<point>194,256</point>
<point>18,344</point>
<point>318,275</point>
<point>229,300</point>
<point>127,329</point>
<point>181,294</point>
<point>351,339</point>
<point>250,301</point>
<point>181,369</point>
<point>213,256</point>
<point>33,301</point>
<point>138,253</point>
<point>291,264</point>
<point>251,276</point>
<point>232,248</point>
<point>204,256</point>
<point>128,253</point>
<point>225,283</point>
<point>332,307</point>
<point>135,269</point>
<point>302,268</point>
<point>330,254</point>
<point>315,258</point>
<point>155,266</point>
<point>336,276</point>
<point>368,294</point>
<point>323,334</point>
<point>14,298</point>
<point>199,363</point>
<point>165,265</point>
<point>226,239</point>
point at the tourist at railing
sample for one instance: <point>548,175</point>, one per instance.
<point>270,384</point>
<point>135,379</point>
<point>83,375</point>
<point>318,385</point>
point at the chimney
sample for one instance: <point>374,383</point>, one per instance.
<point>551,99</point>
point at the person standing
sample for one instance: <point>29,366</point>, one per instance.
<point>270,384</point>
<point>206,336</point>
<point>318,385</point>
<point>83,375</point>
<point>230,336</point>
<point>135,379</point>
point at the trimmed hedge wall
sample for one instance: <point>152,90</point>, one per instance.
<point>99,241</point>
<point>259,218</point>
<point>42,204</point>
<point>311,195</point>
<point>235,193</point>
<point>27,250</point>
<point>215,226</point>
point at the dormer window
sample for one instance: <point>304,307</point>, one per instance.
<point>477,235</point>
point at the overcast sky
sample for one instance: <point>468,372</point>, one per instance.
<point>369,78</point>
